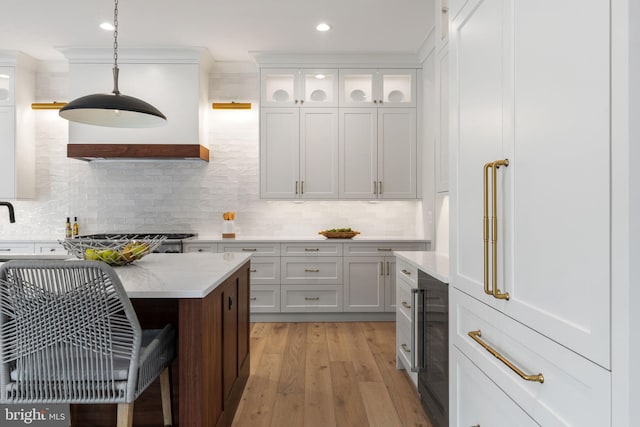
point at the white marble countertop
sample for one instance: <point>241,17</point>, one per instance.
<point>433,263</point>
<point>192,275</point>
<point>303,239</point>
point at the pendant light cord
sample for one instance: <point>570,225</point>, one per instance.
<point>116,91</point>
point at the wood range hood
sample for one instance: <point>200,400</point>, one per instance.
<point>89,152</point>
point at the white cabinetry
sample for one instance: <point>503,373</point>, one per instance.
<point>12,248</point>
<point>378,153</point>
<point>199,247</point>
<point>287,87</point>
<point>17,127</point>
<point>299,153</point>
<point>406,280</point>
<point>552,201</point>
<point>442,138</point>
<point>383,87</point>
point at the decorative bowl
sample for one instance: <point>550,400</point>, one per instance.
<point>339,234</point>
<point>115,252</point>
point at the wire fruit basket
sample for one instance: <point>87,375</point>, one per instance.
<point>339,233</point>
<point>115,252</point>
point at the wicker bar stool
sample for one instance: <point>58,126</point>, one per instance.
<point>69,334</point>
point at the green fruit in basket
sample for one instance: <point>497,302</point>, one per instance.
<point>109,256</point>
<point>91,254</point>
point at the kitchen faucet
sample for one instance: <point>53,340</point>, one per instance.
<point>12,216</point>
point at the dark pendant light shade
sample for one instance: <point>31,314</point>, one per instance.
<point>113,110</point>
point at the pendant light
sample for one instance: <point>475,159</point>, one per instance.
<point>113,110</point>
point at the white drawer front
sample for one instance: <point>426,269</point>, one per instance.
<point>199,247</point>
<point>311,270</point>
<point>404,299</point>
<point>16,248</point>
<point>382,249</point>
<point>257,249</point>
<point>478,401</point>
<point>307,249</point>
<point>52,248</point>
<point>303,298</point>
<point>265,299</point>
<point>404,348</point>
<point>407,272</point>
<point>575,391</point>
<point>265,270</point>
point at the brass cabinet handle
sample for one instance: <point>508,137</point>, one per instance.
<point>253,298</point>
<point>494,291</point>
<point>5,249</point>
<point>312,298</point>
<point>382,268</point>
<point>408,273</point>
<point>253,270</point>
<point>296,181</point>
<point>375,187</point>
<point>375,101</point>
<point>405,304</point>
<point>312,249</point>
<point>249,249</point>
<point>475,335</point>
<point>379,187</point>
<point>406,348</point>
<point>301,187</point>
<point>388,269</point>
<point>384,249</point>
<point>311,270</point>
<point>302,101</point>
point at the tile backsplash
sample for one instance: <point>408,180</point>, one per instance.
<point>177,196</point>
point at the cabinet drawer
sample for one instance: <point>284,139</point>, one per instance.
<point>404,348</point>
<point>199,247</point>
<point>404,299</point>
<point>303,298</point>
<point>257,249</point>
<point>380,249</point>
<point>16,248</point>
<point>50,248</point>
<point>478,401</point>
<point>407,272</point>
<point>265,270</point>
<point>265,298</point>
<point>317,249</point>
<point>311,270</point>
<point>575,391</point>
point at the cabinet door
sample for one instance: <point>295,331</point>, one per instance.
<point>553,217</point>
<point>7,85</point>
<point>364,284</point>
<point>279,153</point>
<point>7,153</point>
<point>390,284</point>
<point>319,153</point>
<point>396,88</point>
<point>230,337</point>
<point>397,161</point>
<point>442,142</point>
<point>279,87</point>
<point>358,153</point>
<point>357,87</point>
<point>319,87</point>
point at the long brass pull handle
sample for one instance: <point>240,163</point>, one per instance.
<point>5,249</point>
<point>311,270</point>
<point>475,335</point>
<point>312,298</point>
<point>406,348</point>
<point>485,226</point>
<point>494,231</point>
<point>406,305</point>
<point>302,185</point>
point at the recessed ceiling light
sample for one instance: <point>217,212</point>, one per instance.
<point>107,26</point>
<point>323,27</point>
<point>320,76</point>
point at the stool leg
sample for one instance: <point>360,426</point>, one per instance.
<point>125,414</point>
<point>165,391</point>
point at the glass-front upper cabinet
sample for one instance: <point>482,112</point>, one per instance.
<point>299,87</point>
<point>7,77</point>
<point>381,87</point>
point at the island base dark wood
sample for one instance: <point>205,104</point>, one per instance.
<point>213,357</point>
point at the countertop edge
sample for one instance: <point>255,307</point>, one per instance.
<point>433,263</point>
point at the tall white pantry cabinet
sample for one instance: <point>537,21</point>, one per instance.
<point>537,184</point>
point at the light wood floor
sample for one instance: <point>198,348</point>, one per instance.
<point>327,374</point>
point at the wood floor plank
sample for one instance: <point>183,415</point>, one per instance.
<point>318,397</point>
<point>377,402</point>
<point>277,338</point>
<point>360,355</point>
<point>293,361</point>
<point>349,407</point>
<point>337,342</point>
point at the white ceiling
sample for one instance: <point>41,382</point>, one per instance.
<point>228,28</point>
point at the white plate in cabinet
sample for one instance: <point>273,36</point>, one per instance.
<point>265,270</point>
<point>311,270</point>
<point>265,299</point>
<point>305,298</point>
<point>199,247</point>
<point>318,249</point>
<point>575,390</point>
<point>257,249</point>
<point>478,401</point>
<point>404,348</point>
<point>379,249</point>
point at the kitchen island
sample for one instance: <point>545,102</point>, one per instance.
<point>206,296</point>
